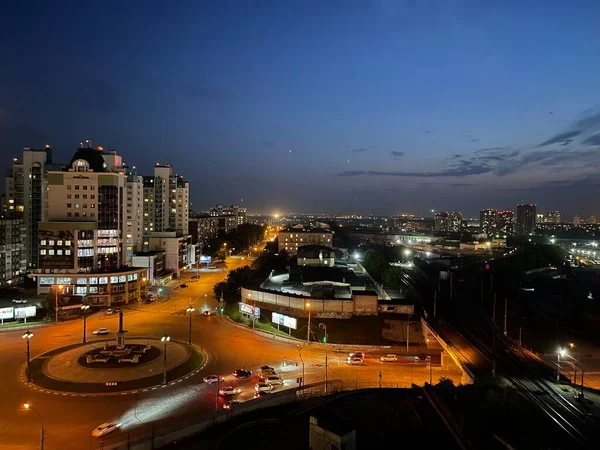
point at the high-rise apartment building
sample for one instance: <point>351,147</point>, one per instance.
<point>487,221</point>
<point>592,220</point>
<point>448,222</point>
<point>576,220</point>
<point>166,203</point>
<point>228,211</point>
<point>13,263</point>
<point>505,222</point>
<point>553,217</point>
<point>526,215</point>
<point>134,213</point>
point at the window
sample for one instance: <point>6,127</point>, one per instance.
<point>92,205</point>
<point>43,242</point>
<point>51,252</point>
<point>92,188</point>
<point>93,280</point>
<point>85,188</point>
<point>76,214</point>
<point>84,196</point>
<point>92,214</point>
<point>50,242</point>
<point>69,214</point>
<point>46,281</point>
<point>92,196</point>
<point>68,187</point>
<point>93,289</point>
<point>76,205</point>
<point>68,205</point>
<point>68,196</point>
<point>102,280</point>
<point>82,281</point>
<point>63,280</point>
<point>85,205</point>
<point>76,187</point>
<point>42,251</point>
<point>67,252</point>
<point>59,242</point>
<point>67,242</point>
<point>114,279</point>
<point>76,196</point>
<point>59,252</point>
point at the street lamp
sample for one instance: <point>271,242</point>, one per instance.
<point>308,328</point>
<point>190,309</point>
<point>28,407</point>
<point>561,352</point>
<point>56,289</point>
<point>84,308</point>
<point>166,338</point>
<point>27,336</point>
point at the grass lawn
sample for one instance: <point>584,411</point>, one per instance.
<point>21,324</point>
<point>233,311</point>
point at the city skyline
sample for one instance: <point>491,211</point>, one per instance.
<point>360,107</point>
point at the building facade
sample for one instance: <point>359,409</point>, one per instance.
<point>290,239</point>
<point>505,222</point>
<point>202,229</point>
<point>448,222</point>
<point>13,262</point>
<point>553,217</point>
<point>487,221</point>
<point>526,215</point>
<point>239,213</point>
<point>134,214</point>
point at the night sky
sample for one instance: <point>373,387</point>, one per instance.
<point>319,106</point>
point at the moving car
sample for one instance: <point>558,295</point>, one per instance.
<point>207,313</point>
<point>101,331</point>
<point>274,379</point>
<point>389,358</point>
<point>264,374</point>
<point>267,368</point>
<point>360,355</point>
<point>212,267</point>
<point>260,394</point>
<point>19,300</point>
<point>229,390</point>
<point>421,357</point>
<point>109,311</point>
<point>241,373</point>
<point>210,379</point>
<point>353,361</point>
<point>230,404</point>
<point>263,387</point>
<point>183,285</point>
<point>105,428</point>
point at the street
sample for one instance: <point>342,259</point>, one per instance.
<point>68,420</point>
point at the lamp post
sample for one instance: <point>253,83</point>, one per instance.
<point>56,289</point>
<point>27,336</point>
<point>308,327</point>
<point>561,352</point>
<point>190,309</point>
<point>302,360</point>
<point>28,407</point>
<point>84,308</point>
<point>166,338</point>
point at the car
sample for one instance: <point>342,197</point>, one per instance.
<point>105,428</point>
<point>267,368</point>
<point>360,355</point>
<point>274,379</point>
<point>229,390</point>
<point>148,301</point>
<point>212,267</point>
<point>264,374</point>
<point>117,310</point>
<point>183,285</point>
<point>194,277</point>
<point>207,313</point>
<point>421,357</point>
<point>262,386</point>
<point>260,394</point>
<point>229,404</point>
<point>241,373</point>
<point>354,361</point>
<point>101,331</point>
<point>389,358</point>
<point>210,379</point>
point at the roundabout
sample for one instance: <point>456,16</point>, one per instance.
<point>75,369</point>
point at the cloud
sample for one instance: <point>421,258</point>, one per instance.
<point>590,122</point>
<point>491,149</point>
<point>562,158</point>
<point>592,140</point>
<point>461,184</point>
<point>456,156</point>
<point>465,168</point>
<point>359,150</point>
<point>397,154</point>
<point>560,138</point>
<point>268,143</point>
<point>474,140</point>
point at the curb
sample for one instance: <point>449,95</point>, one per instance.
<point>114,394</point>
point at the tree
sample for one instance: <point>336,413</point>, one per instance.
<point>376,263</point>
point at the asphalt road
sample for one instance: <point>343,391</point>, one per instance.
<point>68,420</point>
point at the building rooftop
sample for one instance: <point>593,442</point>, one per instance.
<point>306,230</point>
<point>93,157</point>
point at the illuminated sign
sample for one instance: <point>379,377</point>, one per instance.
<point>286,321</point>
<point>6,313</point>
<point>205,259</point>
<point>27,311</point>
<point>249,309</point>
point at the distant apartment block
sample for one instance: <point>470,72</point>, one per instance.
<point>448,222</point>
<point>505,222</point>
<point>293,238</point>
<point>13,263</point>
<point>526,216</point>
<point>487,221</point>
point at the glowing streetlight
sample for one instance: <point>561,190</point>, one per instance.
<point>571,344</point>
<point>307,304</point>
<point>27,336</point>
<point>29,407</point>
<point>84,308</point>
<point>561,352</point>
<point>57,288</point>
<point>190,309</point>
<point>166,338</point>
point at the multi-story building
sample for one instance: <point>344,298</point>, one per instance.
<point>505,222</point>
<point>178,248</point>
<point>13,263</point>
<point>203,228</point>
<point>540,218</point>
<point>166,203</point>
<point>238,212</point>
<point>553,217</point>
<point>592,220</point>
<point>290,239</point>
<point>448,222</point>
<point>487,221</point>
<point>576,220</point>
<point>134,213</point>
<point>526,215</point>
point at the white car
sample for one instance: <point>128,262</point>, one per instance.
<point>274,379</point>
<point>263,387</point>
<point>360,355</point>
<point>264,374</point>
<point>389,358</point>
<point>210,379</point>
<point>19,300</point>
<point>101,331</point>
<point>355,361</point>
<point>105,428</point>
<point>109,311</point>
<point>229,390</point>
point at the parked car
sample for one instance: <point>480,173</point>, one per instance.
<point>274,379</point>
<point>105,428</point>
<point>194,277</point>
<point>389,358</point>
<point>101,331</point>
<point>183,285</point>
<point>260,394</point>
<point>229,390</point>
<point>360,355</point>
<point>210,379</point>
<point>229,404</point>
<point>241,373</point>
<point>19,300</point>
<point>355,361</point>
<point>264,374</point>
<point>207,313</point>
<point>263,387</point>
<point>267,368</point>
<point>117,310</point>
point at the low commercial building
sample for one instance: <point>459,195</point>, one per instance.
<point>155,263</point>
<point>179,251</point>
<point>316,255</point>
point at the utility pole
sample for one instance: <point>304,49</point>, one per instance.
<point>435,303</point>
<point>494,310</point>
<point>308,327</point>
<point>521,336</point>
<point>407,332</point>
<point>505,315</point>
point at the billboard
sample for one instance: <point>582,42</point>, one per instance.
<point>286,321</point>
<point>26,311</point>
<point>6,313</point>
<point>205,259</point>
<point>249,309</point>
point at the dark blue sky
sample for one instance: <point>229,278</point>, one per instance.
<point>313,106</point>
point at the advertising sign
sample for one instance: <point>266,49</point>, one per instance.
<point>249,309</point>
<point>286,321</point>
<point>205,259</point>
<point>6,313</point>
<point>27,311</point>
